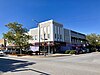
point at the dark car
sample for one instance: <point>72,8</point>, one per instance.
<point>7,51</point>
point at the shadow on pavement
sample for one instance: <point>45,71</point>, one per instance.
<point>10,65</point>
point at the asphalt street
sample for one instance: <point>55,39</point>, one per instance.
<point>84,64</point>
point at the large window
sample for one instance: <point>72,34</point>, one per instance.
<point>58,29</point>
<point>55,29</point>
<point>44,36</point>
<point>48,29</point>
<point>35,37</point>
<point>41,37</point>
<point>41,31</point>
<point>48,35</point>
<point>60,36</point>
<point>45,30</point>
<point>55,36</point>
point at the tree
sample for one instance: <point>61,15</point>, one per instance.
<point>94,40</point>
<point>17,35</point>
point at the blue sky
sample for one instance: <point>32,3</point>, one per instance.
<point>78,15</point>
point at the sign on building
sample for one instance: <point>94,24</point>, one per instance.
<point>34,48</point>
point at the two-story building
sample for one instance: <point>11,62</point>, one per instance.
<point>51,35</point>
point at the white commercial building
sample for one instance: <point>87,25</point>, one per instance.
<point>51,33</point>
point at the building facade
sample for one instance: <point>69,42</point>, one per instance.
<point>52,34</point>
<point>2,44</point>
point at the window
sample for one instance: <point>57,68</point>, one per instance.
<point>55,29</point>
<point>45,30</point>
<point>55,36</point>
<point>48,35</point>
<point>58,30</point>
<point>44,36</point>
<point>60,36</point>
<point>41,37</point>
<point>41,31</point>
<point>48,28</point>
<point>35,37</point>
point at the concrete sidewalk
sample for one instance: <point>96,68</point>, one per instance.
<point>40,56</point>
<point>58,55</point>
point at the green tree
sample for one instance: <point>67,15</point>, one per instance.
<point>93,39</point>
<point>17,35</point>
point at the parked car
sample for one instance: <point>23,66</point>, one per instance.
<point>7,51</point>
<point>2,53</point>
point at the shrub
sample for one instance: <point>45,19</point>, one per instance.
<point>93,49</point>
<point>72,52</point>
<point>67,51</point>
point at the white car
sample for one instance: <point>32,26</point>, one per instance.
<point>2,53</point>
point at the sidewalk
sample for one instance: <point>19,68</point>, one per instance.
<point>58,55</point>
<point>40,56</point>
<point>50,55</point>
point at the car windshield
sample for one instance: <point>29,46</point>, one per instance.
<point>2,50</point>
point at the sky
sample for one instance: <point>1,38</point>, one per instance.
<point>79,15</point>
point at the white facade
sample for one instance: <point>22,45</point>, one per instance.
<point>34,33</point>
<point>46,31</point>
<point>53,31</point>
